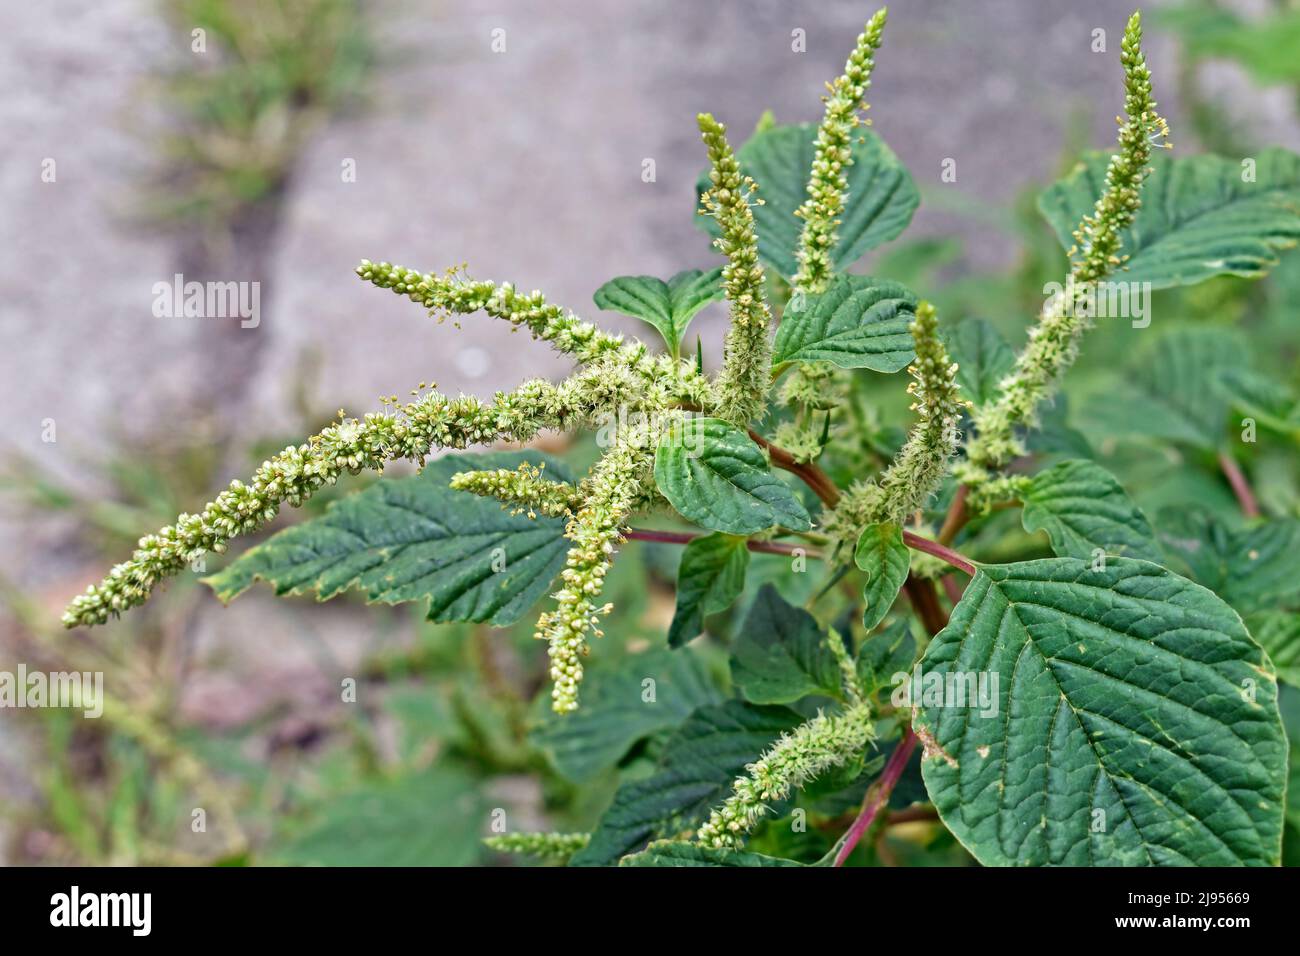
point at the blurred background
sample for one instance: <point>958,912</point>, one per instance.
<point>281,141</point>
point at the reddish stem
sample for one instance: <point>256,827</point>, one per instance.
<point>686,537</point>
<point>1240,485</point>
<point>878,796</point>
<point>926,603</point>
<point>956,516</point>
<point>811,475</point>
<point>918,543</point>
<point>951,588</point>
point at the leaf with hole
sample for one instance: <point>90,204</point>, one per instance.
<point>1133,721</point>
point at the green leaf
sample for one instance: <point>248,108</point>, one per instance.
<point>714,475</point>
<point>780,655</point>
<point>709,579</point>
<point>616,714</point>
<point>880,201</point>
<point>1168,390</point>
<point>1253,569</point>
<point>885,559</point>
<point>1083,507</point>
<point>983,358</point>
<point>1130,691</point>
<point>431,818</point>
<point>678,853</point>
<point>1278,632</point>
<point>1198,218</point>
<point>668,306</point>
<point>699,766</point>
<point>1271,403</point>
<point>412,539</point>
<point>858,322</point>
<point>1289,704</point>
<point>883,655</point>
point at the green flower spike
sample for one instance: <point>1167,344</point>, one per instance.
<point>1054,341</point>
<point>921,463</point>
<point>521,490</point>
<point>828,183</point>
<point>550,846</point>
<point>617,484</point>
<point>813,748</point>
<point>297,473</point>
<point>747,351</point>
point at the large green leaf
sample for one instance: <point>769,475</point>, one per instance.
<point>858,322</point>
<point>668,306</point>
<point>1169,390</point>
<point>432,818</point>
<point>885,559</point>
<point>780,654</point>
<point>714,475</point>
<point>1083,507</point>
<point>709,579</point>
<point>880,201</point>
<point>1278,632</point>
<point>1136,721</point>
<point>679,853</point>
<point>699,766</point>
<point>1198,219</point>
<point>411,539</point>
<point>1253,569</point>
<point>983,358</point>
<point>620,708</point>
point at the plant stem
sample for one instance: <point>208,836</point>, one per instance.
<point>686,537</point>
<point>878,795</point>
<point>919,813</point>
<point>956,516</point>
<point>1240,485</point>
<point>918,543</point>
<point>926,603</point>
<point>810,473</point>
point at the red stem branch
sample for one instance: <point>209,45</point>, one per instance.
<point>916,542</point>
<point>1240,485</point>
<point>686,537</point>
<point>878,796</point>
